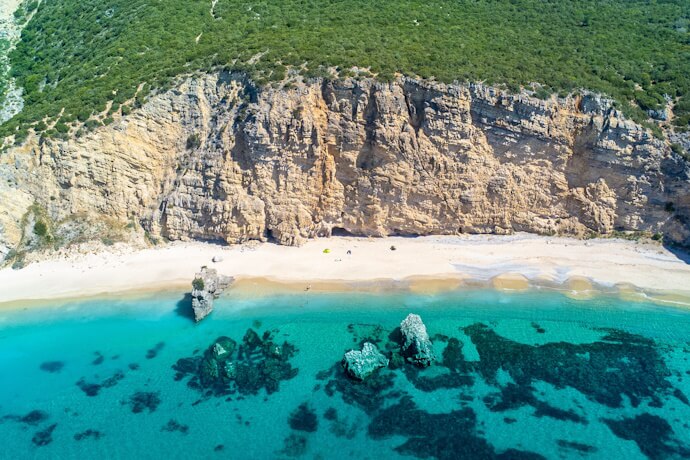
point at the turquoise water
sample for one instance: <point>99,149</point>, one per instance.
<point>520,375</point>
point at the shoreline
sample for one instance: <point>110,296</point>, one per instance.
<point>580,269</point>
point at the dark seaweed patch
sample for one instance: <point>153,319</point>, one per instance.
<point>340,427</point>
<point>153,352</point>
<point>295,445</point>
<point>52,366</point>
<point>174,425</point>
<point>226,368</point>
<point>99,358</point>
<point>512,396</point>
<point>34,417</point>
<point>443,436</point>
<point>45,436</point>
<point>88,434</point>
<point>577,446</point>
<point>652,434</point>
<point>133,366</point>
<point>369,394</point>
<point>330,414</point>
<point>143,400</point>
<point>361,333</point>
<point>681,397</point>
<point>89,389</point>
<point>452,356</point>
<point>113,379</point>
<point>448,380</point>
<point>620,364</point>
<point>538,329</point>
<point>303,419</point>
<point>92,389</point>
<point>567,415</point>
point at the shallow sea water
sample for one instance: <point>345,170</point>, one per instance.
<point>519,375</point>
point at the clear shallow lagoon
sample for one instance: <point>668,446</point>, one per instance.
<point>530,374</point>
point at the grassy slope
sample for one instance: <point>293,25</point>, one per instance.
<point>80,54</point>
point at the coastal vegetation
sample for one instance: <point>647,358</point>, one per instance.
<point>80,62</point>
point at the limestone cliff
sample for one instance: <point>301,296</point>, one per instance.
<point>218,159</point>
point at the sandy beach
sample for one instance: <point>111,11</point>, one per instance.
<point>420,264</point>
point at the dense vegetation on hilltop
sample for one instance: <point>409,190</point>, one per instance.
<point>78,55</point>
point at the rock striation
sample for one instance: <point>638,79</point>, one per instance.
<point>360,364</point>
<point>416,345</point>
<point>206,287</point>
<point>354,156</point>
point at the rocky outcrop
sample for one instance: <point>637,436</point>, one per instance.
<point>206,287</point>
<point>360,364</point>
<point>219,159</point>
<point>226,367</point>
<point>416,346</point>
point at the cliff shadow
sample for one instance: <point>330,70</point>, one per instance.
<point>183,307</point>
<point>682,254</point>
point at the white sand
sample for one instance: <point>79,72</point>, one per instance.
<point>537,260</point>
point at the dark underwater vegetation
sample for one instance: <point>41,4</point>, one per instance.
<point>516,376</point>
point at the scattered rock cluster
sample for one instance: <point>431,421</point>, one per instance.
<point>415,347</point>
<point>206,287</point>
<point>361,364</point>
<point>226,367</point>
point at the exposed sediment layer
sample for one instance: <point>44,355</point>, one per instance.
<point>218,159</point>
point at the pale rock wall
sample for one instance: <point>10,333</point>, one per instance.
<point>368,158</point>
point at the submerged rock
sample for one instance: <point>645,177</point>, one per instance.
<point>303,419</point>
<point>416,346</point>
<point>44,437</point>
<point>226,368</point>
<point>206,287</point>
<point>360,364</point>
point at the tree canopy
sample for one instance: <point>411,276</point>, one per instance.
<point>77,58</point>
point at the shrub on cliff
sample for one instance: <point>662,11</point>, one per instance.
<point>40,229</point>
<point>198,284</point>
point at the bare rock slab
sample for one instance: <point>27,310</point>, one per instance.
<point>360,364</point>
<point>416,346</point>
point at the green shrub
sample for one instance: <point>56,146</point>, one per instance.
<point>193,142</point>
<point>677,149</point>
<point>198,284</point>
<point>40,228</point>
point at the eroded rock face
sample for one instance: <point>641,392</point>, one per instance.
<point>416,346</point>
<point>368,158</point>
<point>206,287</point>
<point>360,364</point>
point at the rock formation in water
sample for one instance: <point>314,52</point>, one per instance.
<point>226,368</point>
<point>416,346</point>
<point>206,287</point>
<point>218,158</point>
<point>360,364</point>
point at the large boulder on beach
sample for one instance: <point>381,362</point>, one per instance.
<point>360,364</point>
<point>206,287</point>
<point>416,345</point>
